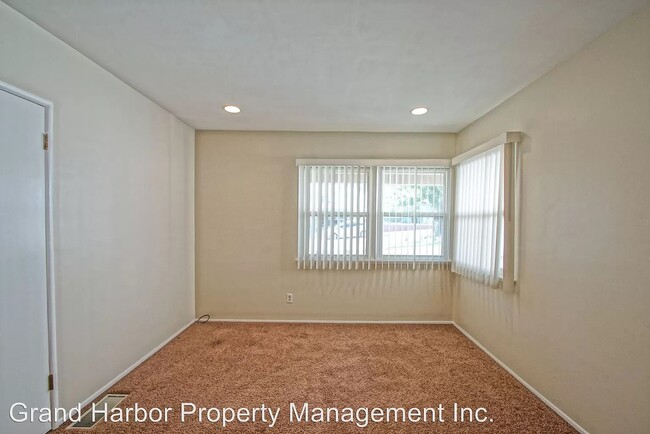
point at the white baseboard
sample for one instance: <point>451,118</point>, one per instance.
<point>545,400</point>
<point>127,371</point>
<point>326,321</point>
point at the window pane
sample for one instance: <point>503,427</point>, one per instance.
<point>349,236</point>
<point>432,186</point>
<point>398,236</point>
<point>478,224</point>
<point>344,191</point>
<point>345,236</point>
<point>413,211</point>
<point>398,190</point>
<point>338,209</point>
<point>428,239</point>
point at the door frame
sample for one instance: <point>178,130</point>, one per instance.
<point>48,157</point>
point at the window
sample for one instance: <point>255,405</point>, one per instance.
<point>486,212</point>
<point>478,218</point>
<point>335,224</point>
<point>363,214</point>
<point>413,211</point>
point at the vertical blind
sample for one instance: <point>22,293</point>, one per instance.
<point>333,204</point>
<point>479,217</point>
<point>372,216</point>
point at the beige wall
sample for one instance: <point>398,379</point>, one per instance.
<point>579,328</point>
<point>246,223</point>
<point>123,207</point>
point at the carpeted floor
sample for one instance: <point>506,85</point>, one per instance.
<point>329,365</point>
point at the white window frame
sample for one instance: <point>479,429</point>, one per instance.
<point>373,239</point>
<point>446,216</point>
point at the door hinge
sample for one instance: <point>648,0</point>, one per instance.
<point>50,382</point>
<point>46,141</point>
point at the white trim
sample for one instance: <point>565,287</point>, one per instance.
<point>535,392</point>
<point>400,260</point>
<point>48,128</point>
<point>101,390</point>
<point>507,137</point>
<point>508,278</point>
<point>438,162</point>
<point>325,321</point>
<point>24,94</point>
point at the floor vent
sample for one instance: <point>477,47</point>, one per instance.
<point>88,420</point>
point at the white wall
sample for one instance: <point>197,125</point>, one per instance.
<point>579,328</point>
<point>123,209</point>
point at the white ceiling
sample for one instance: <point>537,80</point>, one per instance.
<point>328,65</point>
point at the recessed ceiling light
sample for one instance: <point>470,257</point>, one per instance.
<point>232,109</point>
<point>419,111</point>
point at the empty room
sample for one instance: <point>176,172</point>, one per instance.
<point>310,216</point>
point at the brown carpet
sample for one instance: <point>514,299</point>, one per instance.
<point>329,365</point>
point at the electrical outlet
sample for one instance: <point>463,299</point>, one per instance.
<point>289,297</point>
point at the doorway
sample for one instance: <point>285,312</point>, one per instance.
<point>27,347</point>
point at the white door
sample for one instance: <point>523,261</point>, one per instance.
<point>24,365</point>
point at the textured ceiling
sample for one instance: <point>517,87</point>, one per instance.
<point>336,65</point>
